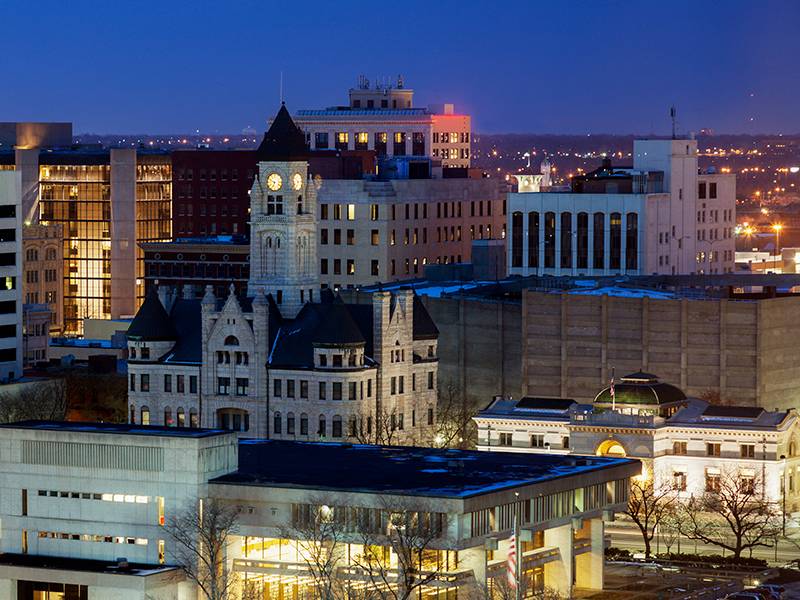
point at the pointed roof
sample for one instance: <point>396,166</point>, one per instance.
<point>423,326</point>
<point>152,323</point>
<point>284,140</point>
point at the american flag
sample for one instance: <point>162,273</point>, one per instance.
<point>512,559</point>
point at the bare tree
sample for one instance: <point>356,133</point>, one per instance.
<point>382,428</point>
<point>322,545</point>
<point>649,503</point>
<point>410,534</point>
<point>201,535</point>
<point>454,427</point>
<point>732,514</point>
<point>46,400</point>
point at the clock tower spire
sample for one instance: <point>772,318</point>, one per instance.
<point>283,227</point>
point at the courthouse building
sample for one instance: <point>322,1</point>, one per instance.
<point>286,361</point>
<point>85,509</point>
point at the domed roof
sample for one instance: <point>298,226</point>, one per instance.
<point>641,388</point>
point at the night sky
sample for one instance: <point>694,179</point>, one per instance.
<point>556,66</point>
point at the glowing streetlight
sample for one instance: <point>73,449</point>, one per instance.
<point>776,227</point>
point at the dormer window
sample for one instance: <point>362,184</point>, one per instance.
<point>145,353</point>
<point>323,360</point>
<point>231,340</point>
<point>337,360</point>
<point>133,352</point>
<point>351,360</point>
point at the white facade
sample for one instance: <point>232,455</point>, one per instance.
<point>684,451</point>
<point>383,119</point>
<point>11,353</point>
<point>668,221</point>
<point>101,493</point>
<point>77,500</point>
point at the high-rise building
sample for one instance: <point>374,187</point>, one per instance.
<point>660,216</point>
<point>106,202</point>
<point>382,118</point>
<point>10,277</point>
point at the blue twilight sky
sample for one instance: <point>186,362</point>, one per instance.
<point>554,66</point>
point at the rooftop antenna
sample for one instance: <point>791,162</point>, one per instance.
<point>672,115</point>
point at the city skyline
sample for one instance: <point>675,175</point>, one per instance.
<point>571,68</point>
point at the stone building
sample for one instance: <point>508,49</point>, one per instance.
<point>286,361</point>
<point>685,443</point>
<point>43,277</point>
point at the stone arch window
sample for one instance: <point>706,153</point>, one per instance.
<point>276,422</point>
<point>290,423</point>
<point>133,414</point>
<point>194,420</point>
<point>792,449</point>
<point>181,417</point>
<point>145,415</point>
<point>322,430</point>
<point>168,417</point>
<point>336,426</point>
<point>231,340</point>
<point>303,424</point>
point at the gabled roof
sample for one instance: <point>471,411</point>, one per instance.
<point>152,323</point>
<point>186,317</point>
<point>424,327</point>
<point>284,140</point>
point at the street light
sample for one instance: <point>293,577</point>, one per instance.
<point>776,227</point>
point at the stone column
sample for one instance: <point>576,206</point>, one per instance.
<point>589,565</point>
<point>558,573</point>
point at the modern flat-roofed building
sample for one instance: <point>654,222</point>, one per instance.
<point>381,231</point>
<point>382,118</point>
<point>133,479</point>
<point>659,216</point>
<point>11,353</point>
<point>105,202</point>
<point>197,262</point>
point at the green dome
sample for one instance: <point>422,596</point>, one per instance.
<point>641,388</point>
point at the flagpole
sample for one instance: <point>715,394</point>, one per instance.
<point>519,556</point>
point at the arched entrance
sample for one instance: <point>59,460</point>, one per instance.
<point>611,447</point>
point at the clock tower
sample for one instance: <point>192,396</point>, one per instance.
<point>283,221</point>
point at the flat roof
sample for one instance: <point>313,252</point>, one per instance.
<point>118,428</point>
<point>80,564</point>
<point>411,471</point>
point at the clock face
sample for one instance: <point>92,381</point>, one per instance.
<point>274,182</point>
<point>297,181</point>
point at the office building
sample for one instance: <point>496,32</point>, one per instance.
<point>105,202</point>
<point>197,262</point>
<point>382,117</point>
<point>685,443</point>
<point>133,480</point>
<point>660,216</point>
<point>384,231</point>
<point>11,354</point>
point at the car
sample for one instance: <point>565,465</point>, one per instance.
<point>747,595</point>
<point>775,589</point>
